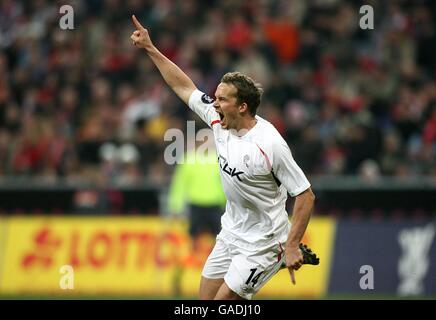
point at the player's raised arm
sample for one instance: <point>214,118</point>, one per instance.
<point>181,84</point>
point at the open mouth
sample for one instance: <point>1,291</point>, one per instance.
<point>221,118</point>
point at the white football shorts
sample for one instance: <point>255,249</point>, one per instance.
<point>245,267</point>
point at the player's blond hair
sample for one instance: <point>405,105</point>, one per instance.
<point>247,90</point>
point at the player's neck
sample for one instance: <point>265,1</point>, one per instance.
<point>245,124</point>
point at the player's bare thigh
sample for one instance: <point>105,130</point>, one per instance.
<point>225,293</point>
<point>209,288</point>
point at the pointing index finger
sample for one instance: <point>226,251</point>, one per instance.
<point>291,272</point>
<point>136,23</point>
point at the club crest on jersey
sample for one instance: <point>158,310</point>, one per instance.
<point>206,99</point>
<point>230,171</point>
<point>246,160</point>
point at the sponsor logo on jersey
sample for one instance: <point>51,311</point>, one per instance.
<point>227,169</point>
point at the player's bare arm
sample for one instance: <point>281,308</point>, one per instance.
<point>303,207</point>
<point>179,82</point>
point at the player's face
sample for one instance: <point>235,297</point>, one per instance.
<point>226,105</point>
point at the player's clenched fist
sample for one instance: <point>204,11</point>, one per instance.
<point>140,36</point>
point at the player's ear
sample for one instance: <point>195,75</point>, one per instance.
<point>243,107</point>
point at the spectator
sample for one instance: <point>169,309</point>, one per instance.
<point>64,94</point>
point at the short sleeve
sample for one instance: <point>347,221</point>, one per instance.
<point>286,169</point>
<point>202,105</point>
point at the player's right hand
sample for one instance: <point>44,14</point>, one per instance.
<point>140,36</point>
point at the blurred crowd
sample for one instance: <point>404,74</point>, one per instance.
<point>86,104</point>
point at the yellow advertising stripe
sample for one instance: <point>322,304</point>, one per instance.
<point>311,281</point>
<point>108,255</point>
<point>3,238</point>
<point>131,255</point>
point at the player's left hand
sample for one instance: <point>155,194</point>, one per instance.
<point>294,260</point>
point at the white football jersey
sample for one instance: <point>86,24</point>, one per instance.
<point>257,170</point>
